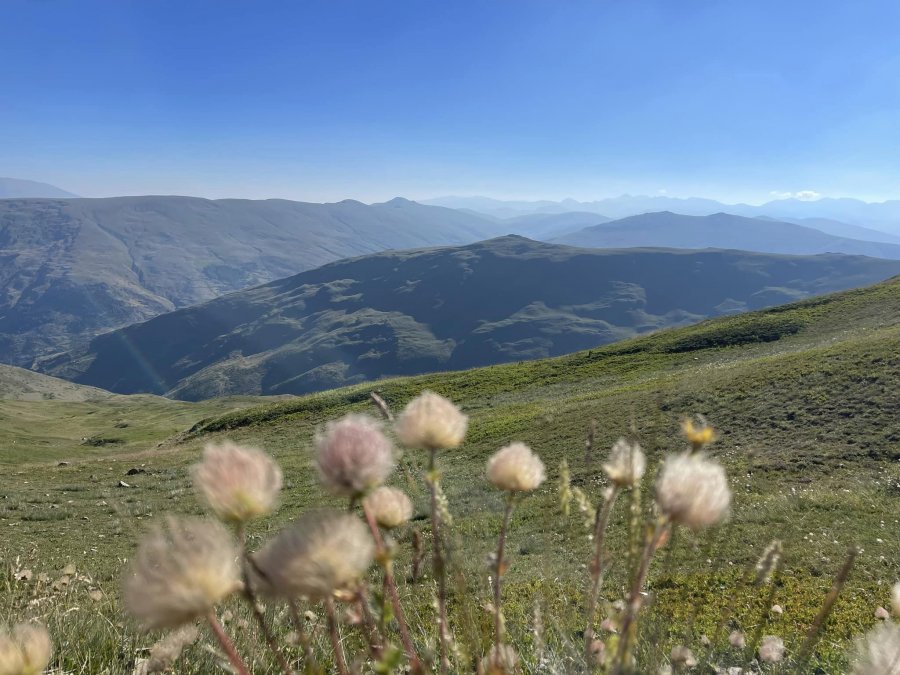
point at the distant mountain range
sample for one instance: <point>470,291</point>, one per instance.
<point>17,188</point>
<point>399,313</point>
<point>721,230</point>
<point>880,217</point>
<point>70,268</point>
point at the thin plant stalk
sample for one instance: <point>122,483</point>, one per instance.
<point>597,568</point>
<point>254,607</point>
<point>438,563</point>
<point>499,568</point>
<point>627,629</point>
<point>373,636</point>
<point>814,633</point>
<point>384,558</point>
<point>302,635</point>
<point>226,643</point>
<point>339,661</point>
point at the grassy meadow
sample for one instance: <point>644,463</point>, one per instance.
<point>804,397</point>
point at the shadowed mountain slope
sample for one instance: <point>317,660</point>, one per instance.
<point>70,269</point>
<point>442,309</point>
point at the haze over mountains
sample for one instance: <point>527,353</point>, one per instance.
<point>19,188</point>
<point>878,218</point>
<point>721,230</point>
<point>398,313</point>
<point>72,268</point>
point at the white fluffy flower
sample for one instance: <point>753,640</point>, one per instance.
<point>431,422</point>
<point>895,599</point>
<point>25,650</point>
<point>353,455</point>
<point>236,482</point>
<point>181,573</point>
<point>516,468</point>
<point>878,653</point>
<point>322,552</point>
<point>771,649</point>
<point>626,463</point>
<point>693,491</point>
<point>389,506</point>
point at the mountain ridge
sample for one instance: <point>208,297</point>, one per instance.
<point>407,312</point>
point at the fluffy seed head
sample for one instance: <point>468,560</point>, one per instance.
<point>683,657</point>
<point>895,599</point>
<point>698,435</point>
<point>771,649</point>
<point>321,552</point>
<point>353,455</point>
<point>25,650</point>
<point>878,653</point>
<point>431,422</point>
<point>181,572</point>
<point>626,463</point>
<point>516,468</point>
<point>737,639</point>
<point>237,483</point>
<point>502,661</point>
<point>693,491</point>
<point>390,507</point>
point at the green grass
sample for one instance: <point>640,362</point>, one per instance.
<point>804,396</point>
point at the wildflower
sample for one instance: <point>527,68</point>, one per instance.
<point>431,422</point>
<point>771,649</point>
<point>565,488</point>
<point>878,653</point>
<point>767,562</point>
<point>626,463</point>
<point>390,507</point>
<point>165,652</point>
<point>693,491</point>
<point>698,435</point>
<point>777,609</point>
<point>25,650</point>
<point>237,483</point>
<point>882,614</point>
<point>353,455</point>
<point>322,552</point>
<point>501,660</point>
<point>516,468</point>
<point>737,639</point>
<point>895,599</point>
<point>181,573</point>
<point>682,657</point>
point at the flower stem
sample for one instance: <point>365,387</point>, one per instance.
<point>383,556</point>
<point>303,636</point>
<point>627,629</point>
<point>373,636</point>
<point>814,633</point>
<point>339,661</point>
<point>597,569</point>
<point>438,563</point>
<point>227,644</point>
<point>254,607</point>
<point>499,568</point>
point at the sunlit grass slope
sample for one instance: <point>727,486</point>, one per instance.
<point>804,395</point>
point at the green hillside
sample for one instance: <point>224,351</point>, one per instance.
<point>804,396</point>
<point>408,312</point>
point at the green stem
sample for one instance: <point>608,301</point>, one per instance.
<point>498,573</point>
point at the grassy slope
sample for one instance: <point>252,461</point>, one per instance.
<point>805,396</point>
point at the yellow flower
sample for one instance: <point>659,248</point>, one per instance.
<point>698,435</point>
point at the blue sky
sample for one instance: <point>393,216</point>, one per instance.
<point>330,99</point>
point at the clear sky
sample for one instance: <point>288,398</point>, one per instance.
<point>329,99</point>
